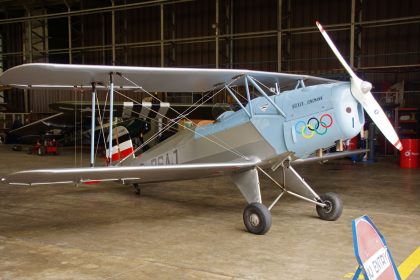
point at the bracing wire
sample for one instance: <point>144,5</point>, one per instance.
<point>221,143</point>
<point>101,118</point>
<point>191,130</point>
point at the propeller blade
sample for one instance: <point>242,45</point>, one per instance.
<point>361,92</point>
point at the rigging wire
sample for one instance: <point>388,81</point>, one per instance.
<point>101,118</point>
<point>223,144</point>
<point>167,127</point>
<point>228,148</point>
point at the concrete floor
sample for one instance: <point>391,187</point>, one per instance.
<point>194,229</point>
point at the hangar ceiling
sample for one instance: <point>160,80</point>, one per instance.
<point>379,38</point>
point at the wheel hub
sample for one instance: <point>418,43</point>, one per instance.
<point>328,206</point>
<point>254,220</point>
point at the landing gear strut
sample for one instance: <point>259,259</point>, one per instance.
<point>257,218</point>
<point>137,189</point>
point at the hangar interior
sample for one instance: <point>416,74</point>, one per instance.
<point>184,229</point>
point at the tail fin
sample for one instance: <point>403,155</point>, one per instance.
<point>122,146</point>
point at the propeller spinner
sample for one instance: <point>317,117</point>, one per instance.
<point>361,92</point>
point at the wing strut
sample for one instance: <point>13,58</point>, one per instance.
<point>111,115</point>
<point>248,95</point>
<point>265,95</point>
<point>239,102</point>
<point>92,139</point>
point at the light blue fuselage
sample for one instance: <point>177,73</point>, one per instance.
<point>315,117</point>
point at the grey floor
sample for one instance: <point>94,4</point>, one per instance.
<point>194,229</point>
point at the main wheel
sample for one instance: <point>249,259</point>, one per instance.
<point>333,208</point>
<point>257,218</point>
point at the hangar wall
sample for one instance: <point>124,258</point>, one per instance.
<point>380,38</point>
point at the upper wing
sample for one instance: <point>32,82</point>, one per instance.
<point>140,174</point>
<point>40,75</point>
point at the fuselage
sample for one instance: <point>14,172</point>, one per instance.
<point>315,117</point>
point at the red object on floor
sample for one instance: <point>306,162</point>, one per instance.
<point>353,143</point>
<point>409,156</point>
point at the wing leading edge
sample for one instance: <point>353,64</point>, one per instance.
<point>153,174</point>
<point>139,174</point>
<point>61,76</point>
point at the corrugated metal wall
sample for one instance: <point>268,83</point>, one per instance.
<point>189,39</point>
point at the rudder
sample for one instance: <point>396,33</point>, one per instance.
<point>122,146</point>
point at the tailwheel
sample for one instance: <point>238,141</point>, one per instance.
<point>137,189</point>
<point>257,218</point>
<point>333,208</point>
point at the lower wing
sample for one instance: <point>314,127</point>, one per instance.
<point>140,174</point>
<point>152,174</point>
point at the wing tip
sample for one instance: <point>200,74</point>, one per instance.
<point>319,26</point>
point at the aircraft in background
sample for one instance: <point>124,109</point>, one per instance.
<point>73,118</point>
<point>292,116</point>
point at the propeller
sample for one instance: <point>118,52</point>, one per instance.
<point>361,92</point>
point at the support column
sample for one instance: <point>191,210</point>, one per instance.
<point>355,36</point>
<point>162,37</point>
<point>358,35</point>
<point>226,25</point>
<point>217,33</point>
<point>286,47</point>
<point>352,17</point>
<point>173,36</point>
<point>113,33</point>
<point>69,30</point>
<point>279,27</point>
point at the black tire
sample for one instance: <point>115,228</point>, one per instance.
<point>257,218</point>
<point>334,207</point>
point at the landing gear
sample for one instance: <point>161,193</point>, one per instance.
<point>257,218</point>
<point>332,209</point>
<point>137,189</point>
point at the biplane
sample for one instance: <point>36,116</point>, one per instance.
<point>282,119</point>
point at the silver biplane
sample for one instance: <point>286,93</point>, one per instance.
<point>292,116</point>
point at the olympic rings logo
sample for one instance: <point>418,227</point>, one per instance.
<point>313,125</point>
